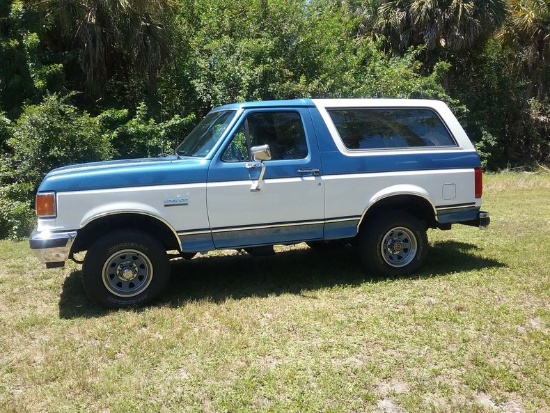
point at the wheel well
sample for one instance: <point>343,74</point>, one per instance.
<point>150,225</point>
<point>415,205</point>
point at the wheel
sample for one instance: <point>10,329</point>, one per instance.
<point>125,268</point>
<point>396,244</point>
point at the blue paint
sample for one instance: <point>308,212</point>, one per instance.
<point>334,164</point>
<point>341,229</point>
<point>268,104</point>
<point>126,174</point>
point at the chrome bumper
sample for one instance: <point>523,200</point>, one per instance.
<point>52,248</point>
<point>482,220</point>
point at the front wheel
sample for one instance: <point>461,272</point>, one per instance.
<point>125,268</point>
<point>396,244</point>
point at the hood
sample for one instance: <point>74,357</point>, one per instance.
<point>126,173</point>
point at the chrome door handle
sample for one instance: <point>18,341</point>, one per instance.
<point>312,171</point>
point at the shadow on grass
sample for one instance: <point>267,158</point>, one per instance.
<point>291,272</point>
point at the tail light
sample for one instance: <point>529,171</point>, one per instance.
<point>478,182</point>
<point>45,205</point>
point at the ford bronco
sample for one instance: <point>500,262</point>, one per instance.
<point>373,173</point>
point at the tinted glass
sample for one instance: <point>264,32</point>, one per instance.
<point>362,128</point>
<point>282,131</point>
<point>206,134</point>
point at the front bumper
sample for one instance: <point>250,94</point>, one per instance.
<point>52,248</point>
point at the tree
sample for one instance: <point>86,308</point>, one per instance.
<point>525,38</point>
<point>109,44</point>
<point>526,34</point>
<point>27,70</point>
<point>440,25</point>
<point>53,134</point>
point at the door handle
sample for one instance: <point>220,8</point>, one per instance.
<point>312,171</point>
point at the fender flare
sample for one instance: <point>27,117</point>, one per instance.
<point>119,208</point>
<point>395,191</point>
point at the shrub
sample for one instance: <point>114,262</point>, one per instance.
<point>54,134</point>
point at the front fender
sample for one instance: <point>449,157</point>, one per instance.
<point>117,208</point>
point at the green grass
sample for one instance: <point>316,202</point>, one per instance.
<point>300,331</point>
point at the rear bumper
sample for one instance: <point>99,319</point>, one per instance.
<point>482,220</point>
<point>52,248</point>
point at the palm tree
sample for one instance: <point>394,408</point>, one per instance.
<point>439,24</point>
<point>111,37</point>
<point>527,35</point>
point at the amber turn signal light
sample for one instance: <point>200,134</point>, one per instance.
<point>45,205</point>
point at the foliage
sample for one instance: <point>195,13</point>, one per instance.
<point>142,136</point>
<point>16,217</point>
<point>526,37</point>
<point>51,135</point>
<point>27,72</point>
<point>5,132</point>
<point>443,24</point>
<point>111,42</point>
<point>96,79</point>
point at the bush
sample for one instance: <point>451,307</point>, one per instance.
<point>141,136</point>
<point>46,136</point>
<point>16,215</point>
<point>51,135</point>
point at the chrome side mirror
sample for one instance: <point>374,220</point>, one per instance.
<point>259,154</point>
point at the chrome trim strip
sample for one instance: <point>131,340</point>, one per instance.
<point>197,232</point>
<point>458,206</point>
<point>334,220</point>
<point>267,226</point>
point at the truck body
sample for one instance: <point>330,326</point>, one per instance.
<point>376,173</point>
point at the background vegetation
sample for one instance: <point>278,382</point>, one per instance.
<point>84,80</point>
<point>299,331</point>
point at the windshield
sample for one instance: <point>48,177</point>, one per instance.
<point>206,134</point>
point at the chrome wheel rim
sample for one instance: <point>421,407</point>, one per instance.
<point>399,247</point>
<point>127,273</point>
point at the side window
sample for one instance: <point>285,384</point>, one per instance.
<point>237,151</point>
<point>283,131</point>
<point>365,128</point>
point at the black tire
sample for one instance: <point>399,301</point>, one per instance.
<point>393,244</point>
<point>125,268</point>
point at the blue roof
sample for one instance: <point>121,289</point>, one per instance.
<point>268,104</point>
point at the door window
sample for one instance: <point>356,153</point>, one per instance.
<point>282,131</point>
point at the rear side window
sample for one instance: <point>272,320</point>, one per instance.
<point>366,128</point>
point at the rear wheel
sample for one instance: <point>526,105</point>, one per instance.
<point>125,268</point>
<point>395,244</point>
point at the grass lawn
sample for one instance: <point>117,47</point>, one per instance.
<point>299,331</point>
